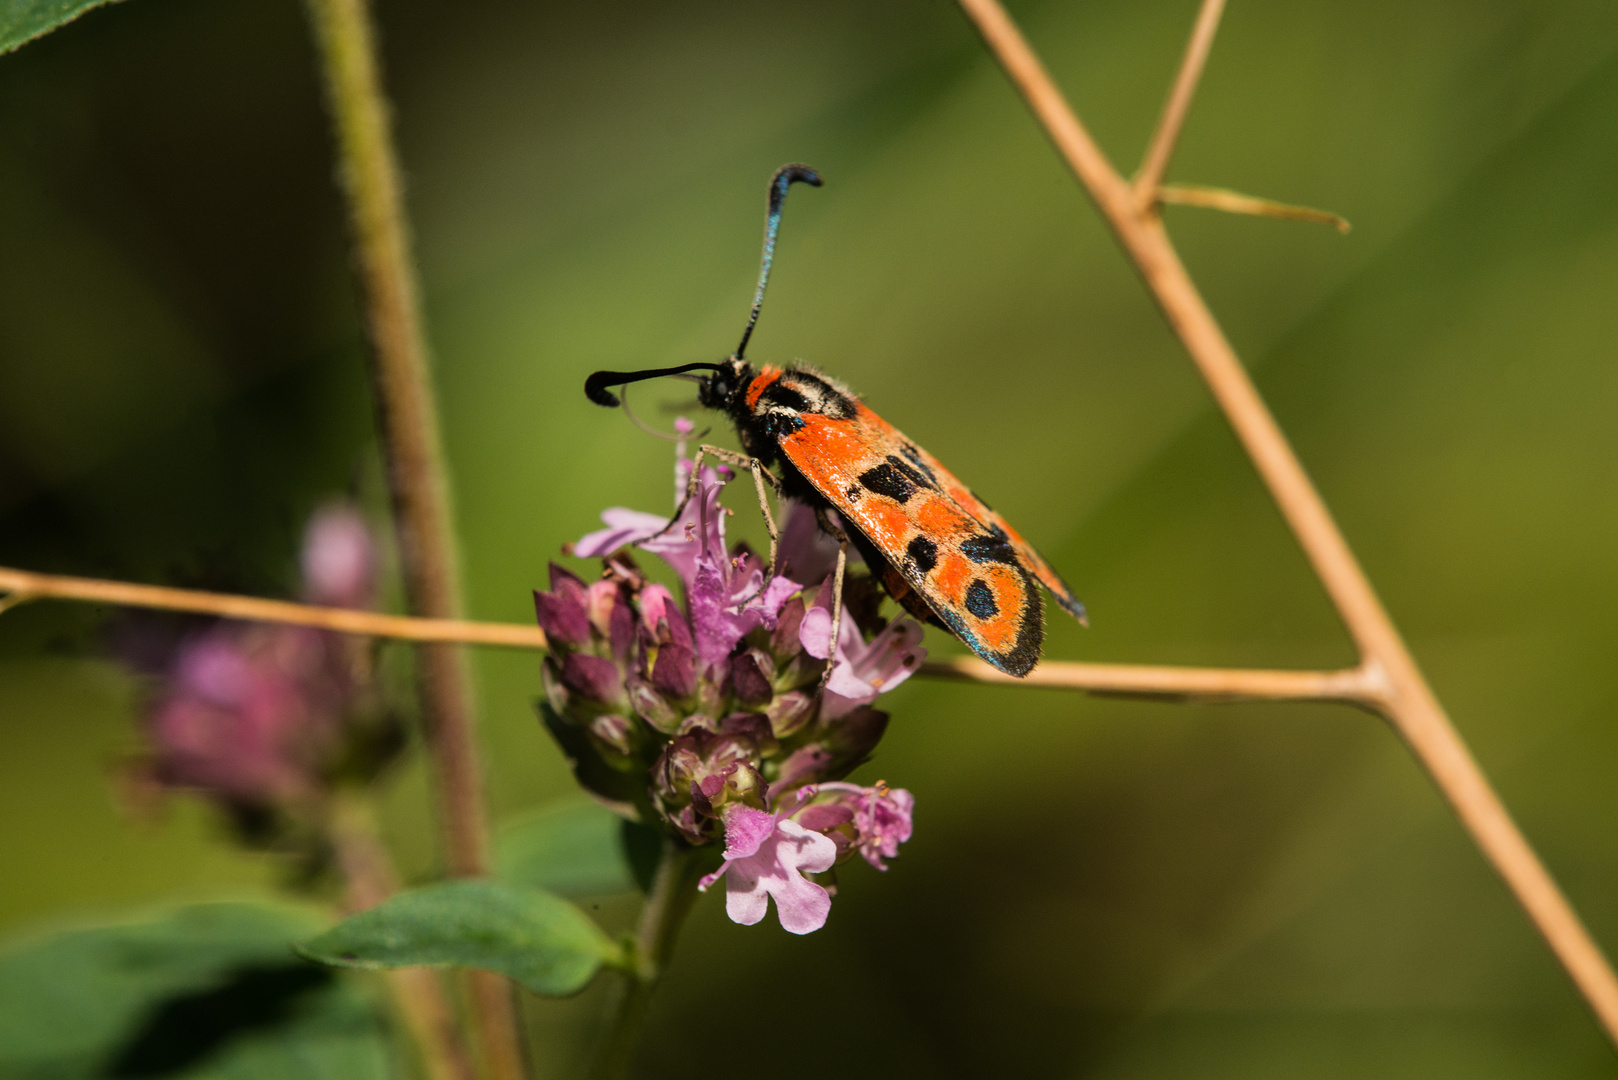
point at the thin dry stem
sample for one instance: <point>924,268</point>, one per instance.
<point>1405,699</point>
<point>28,585</point>
<point>1234,202</point>
<point>1155,162</point>
<point>1356,686</point>
<point>418,483</point>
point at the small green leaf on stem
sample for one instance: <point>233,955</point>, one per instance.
<point>529,935</point>
<point>21,21</point>
<point>1234,202</point>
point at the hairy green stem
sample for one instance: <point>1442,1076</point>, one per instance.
<point>674,889</point>
<point>417,477</point>
<point>369,878</point>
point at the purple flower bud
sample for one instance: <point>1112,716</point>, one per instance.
<point>784,640</point>
<point>662,618</point>
<point>651,706</point>
<point>615,732</point>
<point>855,734</point>
<point>750,675</point>
<point>600,598</point>
<point>803,765</point>
<point>561,611</point>
<point>592,678</point>
<point>824,817</point>
<point>339,558</point>
<point>621,629</point>
<point>565,582</point>
<point>674,674</point>
<point>709,770</point>
<point>749,726</point>
<point>789,712</point>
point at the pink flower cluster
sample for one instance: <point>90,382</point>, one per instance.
<point>708,716</point>
<point>257,716</point>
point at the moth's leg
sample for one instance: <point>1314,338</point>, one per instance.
<point>690,489</point>
<point>836,593</point>
<point>760,473</point>
<point>733,458</point>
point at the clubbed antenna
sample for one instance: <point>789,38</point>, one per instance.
<point>784,178</point>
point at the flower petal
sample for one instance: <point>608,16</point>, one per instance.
<point>746,830</point>
<point>623,527</point>
<point>800,904</point>
<point>746,900</point>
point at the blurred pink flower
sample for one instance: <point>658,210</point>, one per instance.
<point>253,713</point>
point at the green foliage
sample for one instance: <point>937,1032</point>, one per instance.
<point>530,935</point>
<point>211,990</point>
<point>576,849</point>
<point>21,21</point>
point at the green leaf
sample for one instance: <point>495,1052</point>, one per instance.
<point>533,936</point>
<point>575,849</point>
<point>21,21</point>
<point>209,990</point>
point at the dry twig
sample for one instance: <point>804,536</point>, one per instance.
<point>1403,697</point>
<point>1155,163</point>
<point>1356,686</point>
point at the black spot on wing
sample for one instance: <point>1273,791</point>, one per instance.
<point>913,455</point>
<point>886,480</point>
<point>923,553</point>
<point>916,476</point>
<point>1018,660</point>
<point>853,493</point>
<point>980,601</point>
<point>992,548</point>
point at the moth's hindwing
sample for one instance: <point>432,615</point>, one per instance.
<point>968,568</point>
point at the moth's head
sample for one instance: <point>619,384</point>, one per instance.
<point>728,380</point>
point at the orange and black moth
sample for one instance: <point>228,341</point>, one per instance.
<point>936,547</point>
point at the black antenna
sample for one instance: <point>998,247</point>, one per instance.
<point>784,177</point>
<point>595,387</point>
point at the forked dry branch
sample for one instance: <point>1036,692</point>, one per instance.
<point>1402,696</point>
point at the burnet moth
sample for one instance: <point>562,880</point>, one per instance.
<point>934,545</point>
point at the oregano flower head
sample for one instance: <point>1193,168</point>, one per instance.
<point>703,714</point>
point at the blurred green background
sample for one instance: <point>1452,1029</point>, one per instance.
<point>1096,888</point>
